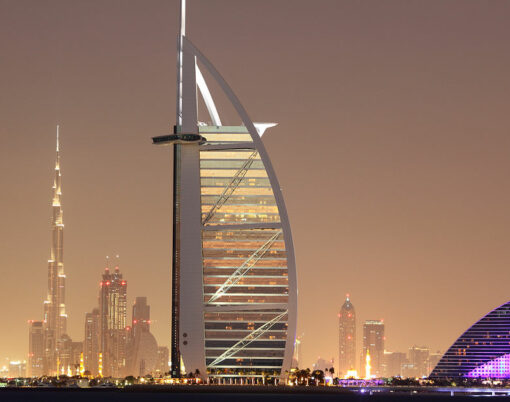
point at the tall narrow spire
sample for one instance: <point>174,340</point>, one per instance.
<point>55,316</point>
<point>182,29</point>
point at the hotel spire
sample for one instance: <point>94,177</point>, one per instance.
<point>54,306</point>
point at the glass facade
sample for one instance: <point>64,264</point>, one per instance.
<point>482,351</point>
<point>245,274</point>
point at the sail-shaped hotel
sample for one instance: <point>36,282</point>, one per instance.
<point>234,292</point>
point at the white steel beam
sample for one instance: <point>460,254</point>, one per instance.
<point>252,336</point>
<point>239,273</point>
<point>231,187</point>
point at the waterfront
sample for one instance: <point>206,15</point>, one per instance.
<point>246,393</point>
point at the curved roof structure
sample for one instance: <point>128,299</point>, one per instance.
<point>483,351</point>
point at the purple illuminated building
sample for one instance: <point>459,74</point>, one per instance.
<point>483,351</point>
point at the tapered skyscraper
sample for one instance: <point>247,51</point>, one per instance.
<point>55,316</point>
<point>347,337</point>
<point>234,277</point>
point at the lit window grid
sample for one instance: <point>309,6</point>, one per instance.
<point>486,341</point>
<point>225,251</point>
<point>497,368</point>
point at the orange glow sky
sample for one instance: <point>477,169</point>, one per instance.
<point>392,149</point>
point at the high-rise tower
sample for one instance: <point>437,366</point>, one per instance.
<point>55,316</point>
<point>373,344</point>
<point>35,349</point>
<point>113,314</point>
<point>142,350</point>
<point>347,337</point>
<point>91,341</point>
<point>234,290</point>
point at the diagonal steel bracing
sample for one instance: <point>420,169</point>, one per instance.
<point>252,336</point>
<point>239,273</point>
<point>231,187</point>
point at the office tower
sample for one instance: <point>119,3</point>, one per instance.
<point>75,357</point>
<point>434,359</point>
<point>91,342</point>
<point>141,317</point>
<point>35,349</point>
<point>55,316</point>
<point>373,341</point>
<point>17,368</point>
<point>419,359</point>
<point>69,356</point>
<point>233,268</point>
<point>347,337</point>
<point>64,355</point>
<point>393,363</point>
<point>112,312</point>
<point>163,357</point>
<point>142,349</point>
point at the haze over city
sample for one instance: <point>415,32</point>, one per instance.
<point>391,149</point>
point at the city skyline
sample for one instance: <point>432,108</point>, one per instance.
<point>439,185</point>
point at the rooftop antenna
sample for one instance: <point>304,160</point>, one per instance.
<point>58,142</point>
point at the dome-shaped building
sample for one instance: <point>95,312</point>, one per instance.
<point>483,351</point>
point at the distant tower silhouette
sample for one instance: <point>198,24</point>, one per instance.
<point>347,337</point>
<point>91,341</point>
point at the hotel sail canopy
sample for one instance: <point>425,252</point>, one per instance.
<point>234,287</point>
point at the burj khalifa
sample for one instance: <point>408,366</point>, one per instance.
<point>55,317</point>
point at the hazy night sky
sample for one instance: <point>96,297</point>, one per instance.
<point>392,149</point>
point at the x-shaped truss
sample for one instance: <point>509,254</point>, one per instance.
<point>231,187</point>
<point>240,272</point>
<point>252,336</point>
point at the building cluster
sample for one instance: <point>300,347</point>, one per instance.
<point>375,360</point>
<point>110,348</point>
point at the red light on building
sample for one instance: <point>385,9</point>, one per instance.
<point>123,282</point>
<point>149,321</point>
<point>107,283</point>
<point>135,321</point>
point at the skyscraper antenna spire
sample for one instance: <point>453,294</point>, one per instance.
<point>183,18</point>
<point>58,143</point>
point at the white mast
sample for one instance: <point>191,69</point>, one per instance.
<point>182,32</point>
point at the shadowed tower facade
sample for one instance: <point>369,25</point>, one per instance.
<point>233,268</point>
<point>55,316</point>
<point>347,337</point>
